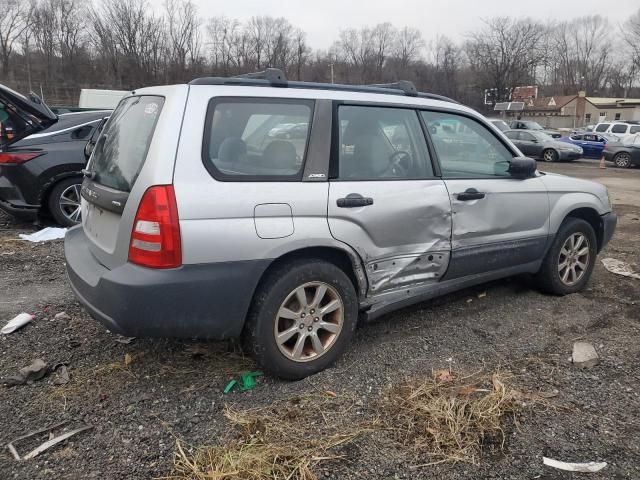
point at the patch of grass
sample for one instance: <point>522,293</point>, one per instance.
<point>283,441</point>
<point>448,417</point>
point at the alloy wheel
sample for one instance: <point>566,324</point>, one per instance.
<point>623,160</point>
<point>573,260</point>
<point>309,321</point>
<point>69,202</point>
<point>549,156</point>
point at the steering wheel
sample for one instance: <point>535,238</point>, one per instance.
<point>400,163</point>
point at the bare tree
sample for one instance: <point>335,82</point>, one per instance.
<point>13,21</point>
<point>183,27</point>
<point>631,36</point>
<point>505,53</point>
<point>408,46</point>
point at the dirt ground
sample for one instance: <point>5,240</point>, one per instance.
<point>172,389</point>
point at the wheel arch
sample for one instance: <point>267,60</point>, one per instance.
<point>345,259</point>
<point>50,185</point>
<point>592,217</point>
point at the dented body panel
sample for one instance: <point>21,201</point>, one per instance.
<point>404,237</point>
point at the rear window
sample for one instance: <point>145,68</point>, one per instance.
<point>619,128</point>
<point>602,127</point>
<point>122,147</point>
<point>256,139</point>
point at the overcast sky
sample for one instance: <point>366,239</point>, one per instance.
<point>323,19</point>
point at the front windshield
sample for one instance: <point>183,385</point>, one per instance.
<point>533,126</point>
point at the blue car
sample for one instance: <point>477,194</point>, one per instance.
<point>592,144</point>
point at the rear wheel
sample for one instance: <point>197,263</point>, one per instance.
<point>569,262</point>
<point>622,160</point>
<point>302,318</point>
<point>64,201</point>
<point>550,155</point>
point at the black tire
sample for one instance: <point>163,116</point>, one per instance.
<point>548,278</point>
<point>60,213</point>
<point>259,334</point>
<point>550,155</point>
<point>622,160</point>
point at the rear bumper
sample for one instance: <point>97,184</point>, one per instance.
<point>193,301</point>
<point>609,222</point>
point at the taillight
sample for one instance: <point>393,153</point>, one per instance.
<point>17,157</point>
<point>155,238</point>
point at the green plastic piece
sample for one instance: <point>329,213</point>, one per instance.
<point>230,386</point>
<point>247,382</point>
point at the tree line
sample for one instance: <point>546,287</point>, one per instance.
<point>59,46</point>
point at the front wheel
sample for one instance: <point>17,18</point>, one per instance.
<point>569,262</point>
<point>622,160</point>
<point>302,318</point>
<point>64,202</point>
<point>550,155</point>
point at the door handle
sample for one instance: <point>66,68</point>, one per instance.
<point>354,200</point>
<point>470,194</point>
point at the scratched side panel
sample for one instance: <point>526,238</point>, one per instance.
<point>403,237</point>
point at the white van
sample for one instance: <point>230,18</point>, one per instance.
<point>620,129</point>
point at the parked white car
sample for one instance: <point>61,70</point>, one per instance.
<point>620,129</point>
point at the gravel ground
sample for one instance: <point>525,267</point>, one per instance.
<point>172,389</point>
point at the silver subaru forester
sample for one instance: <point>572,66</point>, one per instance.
<point>282,212</point>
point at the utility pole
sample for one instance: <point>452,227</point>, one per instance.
<point>331,66</point>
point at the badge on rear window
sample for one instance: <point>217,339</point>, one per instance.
<point>151,109</point>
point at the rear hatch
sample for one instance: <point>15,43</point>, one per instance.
<point>135,150</point>
<point>21,116</point>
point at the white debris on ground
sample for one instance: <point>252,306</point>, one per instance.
<point>620,268</point>
<point>589,467</point>
<point>16,323</point>
<point>584,355</point>
<point>44,235</point>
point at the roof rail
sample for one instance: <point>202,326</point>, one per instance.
<point>406,86</point>
<point>274,77</point>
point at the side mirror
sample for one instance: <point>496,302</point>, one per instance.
<point>522,167</point>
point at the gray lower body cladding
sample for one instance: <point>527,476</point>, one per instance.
<point>609,222</point>
<point>193,301</point>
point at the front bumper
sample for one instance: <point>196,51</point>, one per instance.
<point>609,222</point>
<point>27,212</point>
<point>567,156</point>
<point>192,301</point>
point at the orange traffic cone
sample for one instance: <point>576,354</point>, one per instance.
<point>602,164</point>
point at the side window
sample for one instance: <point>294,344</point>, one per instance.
<point>256,139</point>
<point>577,137</point>
<point>512,134</point>
<point>381,143</point>
<point>527,137</point>
<point>602,127</point>
<point>619,128</point>
<point>590,138</point>
<point>635,129</point>
<point>472,152</point>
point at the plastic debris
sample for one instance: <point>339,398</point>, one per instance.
<point>247,382</point>
<point>46,445</point>
<point>44,235</point>
<point>61,316</point>
<point>620,268</point>
<point>125,340</point>
<point>589,467</point>
<point>17,322</point>
<point>37,370</point>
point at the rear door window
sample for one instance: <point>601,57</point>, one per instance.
<point>256,139</point>
<point>619,128</point>
<point>635,129</point>
<point>124,142</point>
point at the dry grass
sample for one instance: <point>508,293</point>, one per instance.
<point>450,418</point>
<point>283,441</point>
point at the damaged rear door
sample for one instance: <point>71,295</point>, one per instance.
<point>384,198</point>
